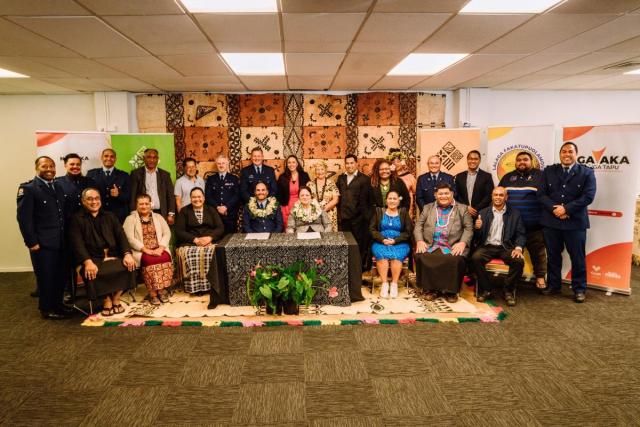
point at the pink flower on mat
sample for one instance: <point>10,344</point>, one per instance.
<point>371,321</point>
<point>319,261</point>
<point>292,322</point>
<point>333,292</point>
<point>407,321</point>
<point>172,323</point>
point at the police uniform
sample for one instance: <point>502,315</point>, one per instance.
<point>72,187</point>
<point>41,218</point>
<point>116,205</point>
<point>574,189</point>
<point>249,177</point>
<point>224,192</point>
<point>270,224</point>
<point>426,187</point>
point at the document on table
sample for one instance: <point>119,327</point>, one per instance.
<point>309,236</point>
<point>257,236</point>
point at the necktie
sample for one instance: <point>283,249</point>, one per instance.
<point>261,205</point>
<point>566,172</point>
<point>259,169</point>
<point>222,177</point>
<point>108,173</point>
<point>50,185</point>
<point>433,176</point>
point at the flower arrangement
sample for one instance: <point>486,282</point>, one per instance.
<point>284,289</point>
<point>307,216</point>
<point>270,208</point>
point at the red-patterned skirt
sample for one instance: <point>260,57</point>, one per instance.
<point>157,271</point>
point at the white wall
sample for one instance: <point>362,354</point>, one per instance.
<point>20,117</point>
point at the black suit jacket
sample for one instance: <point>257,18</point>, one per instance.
<point>165,189</point>
<point>41,214</point>
<point>249,178</point>
<point>119,206</point>
<point>513,231</point>
<point>397,185</point>
<point>482,189</point>
<point>283,186</point>
<point>355,198</point>
<point>187,227</point>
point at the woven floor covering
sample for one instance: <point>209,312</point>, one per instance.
<point>409,307</point>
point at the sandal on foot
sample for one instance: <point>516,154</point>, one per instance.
<point>155,301</point>
<point>118,309</point>
<point>163,297</point>
<point>107,311</point>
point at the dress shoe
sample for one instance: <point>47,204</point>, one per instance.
<point>551,291</point>
<point>67,299</point>
<point>52,315</point>
<point>431,296</point>
<point>65,309</point>
<point>451,298</point>
<point>393,293</point>
<point>34,294</point>
<point>580,297</point>
<point>510,299</point>
<point>485,295</point>
<point>384,290</point>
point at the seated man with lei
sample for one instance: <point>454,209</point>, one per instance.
<point>262,214</point>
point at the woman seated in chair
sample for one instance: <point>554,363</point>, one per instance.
<point>198,226</point>
<point>149,235</point>
<point>99,243</point>
<point>443,235</point>
<point>391,229</point>
<point>307,215</point>
<point>262,214</point>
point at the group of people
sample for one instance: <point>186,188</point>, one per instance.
<point>108,224</point>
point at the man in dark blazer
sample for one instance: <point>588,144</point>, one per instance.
<point>222,191</point>
<point>73,183</point>
<point>500,234</point>
<point>42,224</point>
<point>113,185</point>
<point>566,192</point>
<point>474,186</point>
<point>155,182</point>
<point>355,206</point>
<point>256,172</point>
<point>427,182</point>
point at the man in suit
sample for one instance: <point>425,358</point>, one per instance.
<point>256,172</point>
<point>427,182</point>
<point>113,184</point>
<point>73,184</point>
<point>355,206</point>
<point>41,219</point>
<point>155,182</point>
<point>222,191</point>
<point>262,213</point>
<point>474,185</point>
<point>501,234</point>
<point>566,191</point>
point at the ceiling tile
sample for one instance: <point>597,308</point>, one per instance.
<point>370,63</point>
<point>392,32</point>
<point>312,64</point>
<point>527,82</point>
<point>33,85</point>
<point>628,46</point>
<point>164,34</point>
<point>208,83</point>
<point>568,82</point>
<point>309,82</point>
<point>145,68</point>
<point>585,63</point>
<point>354,81</point>
<point>81,67</point>
<point>544,31</point>
<point>127,84</point>
<point>596,6</point>
<point>397,82</point>
<point>84,85</point>
<point>608,82</point>
<point>232,32</point>
<point>197,65</point>
<point>436,6</point>
<point>132,7</point>
<point>468,33</point>
<point>615,31</point>
<point>325,6</point>
<point>320,32</point>
<point>41,8</point>
<point>86,35</point>
<point>16,41</point>
<point>530,64</point>
<point>31,68</point>
<point>271,83</point>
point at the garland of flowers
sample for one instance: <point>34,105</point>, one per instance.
<point>270,208</point>
<point>396,155</point>
<point>304,216</point>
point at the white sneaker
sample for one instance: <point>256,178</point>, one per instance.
<point>394,290</point>
<point>384,291</point>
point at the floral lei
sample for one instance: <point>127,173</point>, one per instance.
<point>396,155</point>
<point>303,216</point>
<point>270,208</point>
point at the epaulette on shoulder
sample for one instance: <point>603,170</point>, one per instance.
<point>21,188</point>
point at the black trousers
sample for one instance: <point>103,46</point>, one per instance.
<point>486,253</point>
<point>50,268</point>
<point>359,227</point>
<point>574,241</point>
<point>537,252</point>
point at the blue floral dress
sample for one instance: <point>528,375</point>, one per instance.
<point>390,228</point>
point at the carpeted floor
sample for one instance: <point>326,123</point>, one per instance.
<point>551,362</point>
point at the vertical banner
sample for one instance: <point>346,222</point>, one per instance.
<point>614,154</point>
<point>130,148</point>
<point>88,145</point>
<point>504,144</point>
<point>451,145</point>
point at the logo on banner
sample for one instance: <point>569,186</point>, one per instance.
<point>449,155</point>
<point>505,160</point>
<point>597,160</point>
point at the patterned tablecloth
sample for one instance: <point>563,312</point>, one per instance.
<point>237,257</point>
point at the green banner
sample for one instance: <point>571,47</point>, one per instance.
<point>130,148</point>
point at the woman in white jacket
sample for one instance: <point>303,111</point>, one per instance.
<point>149,235</point>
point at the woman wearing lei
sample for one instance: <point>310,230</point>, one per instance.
<point>399,166</point>
<point>307,215</point>
<point>262,214</point>
<point>325,192</point>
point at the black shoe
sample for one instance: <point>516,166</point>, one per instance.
<point>67,299</point>
<point>580,297</point>
<point>485,295</point>
<point>65,309</point>
<point>52,315</point>
<point>551,291</point>
<point>510,299</point>
<point>35,294</point>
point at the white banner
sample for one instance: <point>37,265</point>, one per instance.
<point>614,154</point>
<point>88,145</point>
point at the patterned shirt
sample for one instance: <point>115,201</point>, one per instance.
<point>441,235</point>
<point>198,213</point>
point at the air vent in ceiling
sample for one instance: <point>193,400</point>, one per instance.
<point>622,65</point>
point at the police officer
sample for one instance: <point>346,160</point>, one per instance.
<point>222,191</point>
<point>566,192</point>
<point>262,214</point>
<point>427,182</point>
<point>41,220</point>
<point>73,183</point>
<point>113,184</point>
<point>256,172</point>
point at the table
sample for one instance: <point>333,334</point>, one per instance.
<point>235,257</point>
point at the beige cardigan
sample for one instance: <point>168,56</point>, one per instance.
<point>133,229</point>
